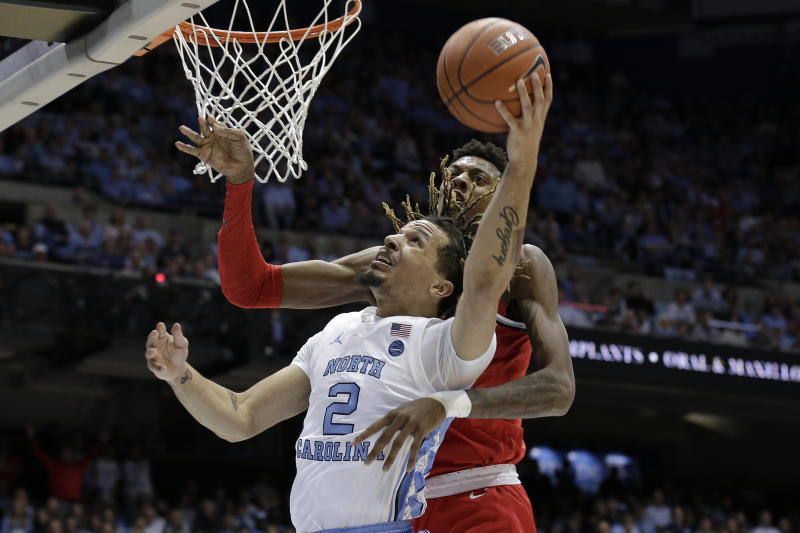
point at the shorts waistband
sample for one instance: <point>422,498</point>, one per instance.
<point>480,477</point>
<point>401,526</point>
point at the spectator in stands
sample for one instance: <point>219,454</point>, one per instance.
<point>116,226</point>
<point>774,324</point>
<point>764,523</point>
<point>19,518</point>
<point>575,235</point>
<point>51,229</point>
<point>571,313</point>
<point>707,297</point>
<point>176,523</point>
<point>654,249</point>
<point>173,249</point>
<point>23,243</point>
<point>107,473</point>
<point>680,313</point>
<point>657,511</point>
<point>83,247</point>
<point>153,522</point>
<point>336,213</point>
<point>40,252</point>
<point>207,518</point>
<point>279,204</point>
<point>65,472</point>
<point>616,307</point>
<point>136,475</point>
<point>558,193</point>
<point>141,233</point>
<point>637,302</point>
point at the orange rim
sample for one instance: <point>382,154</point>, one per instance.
<point>200,34</point>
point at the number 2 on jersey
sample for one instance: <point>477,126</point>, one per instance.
<point>329,427</point>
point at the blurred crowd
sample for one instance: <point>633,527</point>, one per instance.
<point>109,487</point>
<point>703,190</point>
<point>119,490</point>
<point>704,312</point>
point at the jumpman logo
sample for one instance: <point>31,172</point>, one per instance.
<point>337,339</point>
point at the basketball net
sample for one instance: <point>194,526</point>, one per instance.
<point>258,82</point>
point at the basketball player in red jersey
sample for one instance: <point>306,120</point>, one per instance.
<point>473,486</point>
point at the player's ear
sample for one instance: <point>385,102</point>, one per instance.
<point>442,288</point>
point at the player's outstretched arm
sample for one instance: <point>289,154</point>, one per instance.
<point>550,390</point>
<point>232,416</point>
<point>499,238</point>
<point>495,250</point>
<point>247,280</point>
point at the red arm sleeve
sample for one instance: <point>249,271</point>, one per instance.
<point>247,280</point>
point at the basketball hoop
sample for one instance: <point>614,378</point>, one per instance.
<point>263,90</point>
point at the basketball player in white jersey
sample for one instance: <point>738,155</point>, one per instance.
<point>362,365</point>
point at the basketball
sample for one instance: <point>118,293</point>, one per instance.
<point>481,63</point>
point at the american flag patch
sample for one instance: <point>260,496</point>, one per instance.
<point>400,330</point>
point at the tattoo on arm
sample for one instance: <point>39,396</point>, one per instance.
<point>511,218</point>
<point>234,400</point>
<point>186,377</point>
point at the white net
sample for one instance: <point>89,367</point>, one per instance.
<point>264,88</point>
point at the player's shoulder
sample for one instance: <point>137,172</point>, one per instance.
<point>535,273</point>
<point>533,254</point>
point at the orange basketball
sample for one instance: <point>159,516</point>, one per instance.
<point>481,63</point>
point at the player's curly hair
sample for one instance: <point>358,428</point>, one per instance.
<point>485,150</point>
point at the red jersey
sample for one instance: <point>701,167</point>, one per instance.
<point>471,442</point>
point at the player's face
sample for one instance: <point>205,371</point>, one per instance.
<point>476,176</point>
<point>407,261</point>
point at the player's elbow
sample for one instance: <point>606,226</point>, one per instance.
<point>235,295</point>
<point>233,437</point>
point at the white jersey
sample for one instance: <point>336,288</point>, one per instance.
<point>361,366</point>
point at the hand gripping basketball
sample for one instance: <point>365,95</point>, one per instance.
<point>525,132</point>
<point>166,353</point>
<point>226,150</point>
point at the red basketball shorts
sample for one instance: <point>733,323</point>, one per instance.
<point>501,509</point>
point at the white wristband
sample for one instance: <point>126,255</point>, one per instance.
<point>456,403</point>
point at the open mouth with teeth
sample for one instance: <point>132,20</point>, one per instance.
<point>382,258</point>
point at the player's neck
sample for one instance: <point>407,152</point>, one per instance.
<point>390,306</point>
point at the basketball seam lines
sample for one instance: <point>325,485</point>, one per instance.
<point>465,88</point>
<point>461,64</point>
<point>453,108</point>
<point>469,47</point>
<point>452,89</point>
<point>467,109</point>
<point>509,99</point>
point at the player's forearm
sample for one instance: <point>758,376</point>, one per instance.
<point>546,392</point>
<point>214,406</point>
<point>319,284</point>
<point>247,280</point>
<point>540,394</point>
<point>495,250</point>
